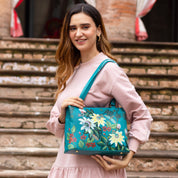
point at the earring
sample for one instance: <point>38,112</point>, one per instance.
<point>98,38</point>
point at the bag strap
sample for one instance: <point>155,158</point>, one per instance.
<point>93,77</point>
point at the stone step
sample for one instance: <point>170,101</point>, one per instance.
<point>24,123</point>
<point>18,99</point>
<point>151,174</point>
<point>125,54</point>
<point>37,120</point>
<point>136,73</point>
<point>28,42</point>
<point>44,174</point>
<point>52,62</point>
<point>46,115</point>
<point>27,91</point>
<point>152,80</point>
<point>53,86</point>
<point>29,105</point>
<point>131,49</point>
<point>130,46</point>
<point>27,53</point>
<point>42,159</point>
<point>24,120</point>
<point>144,45</point>
<point>146,93</point>
<point>23,173</point>
<point>45,104</point>
<point>37,107</point>
<point>51,99</point>
<point>145,57</point>
<point>50,65</point>
<point>115,51</point>
<point>40,123</point>
<point>41,138</point>
<point>27,158</point>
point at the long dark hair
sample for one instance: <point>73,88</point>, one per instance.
<point>67,55</point>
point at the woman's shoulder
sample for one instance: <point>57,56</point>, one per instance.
<point>112,66</point>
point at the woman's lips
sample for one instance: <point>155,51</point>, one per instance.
<point>80,41</point>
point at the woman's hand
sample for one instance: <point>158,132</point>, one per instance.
<point>74,101</point>
<point>112,164</point>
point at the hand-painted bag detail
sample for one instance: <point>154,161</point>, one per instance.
<point>96,130</point>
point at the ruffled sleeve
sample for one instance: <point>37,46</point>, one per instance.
<point>137,113</point>
<point>53,125</point>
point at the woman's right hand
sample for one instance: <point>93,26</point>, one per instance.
<point>74,101</point>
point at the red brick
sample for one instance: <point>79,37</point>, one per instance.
<point>19,56</point>
<point>165,60</point>
<point>126,59</point>
<point>169,83</point>
<point>122,13</point>
<point>167,111</point>
<point>5,18</point>
<point>174,60</point>
<point>145,95</point>
<point>174,97</point>
<point>137,71</point>
<point>157,71</point>
<point>173,70</point>
<point>155,60</point>
<point>6,55</point>
<point>37,56</point>
<point>161,97</point>
<point>152,83</point>
<point>155,111</point>
<point>28,56</point>
<point>136,60</point>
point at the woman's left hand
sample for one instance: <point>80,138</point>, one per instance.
<point>112,164</point>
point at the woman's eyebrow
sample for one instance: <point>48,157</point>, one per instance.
<point>85,24</point>
<point>79,24</point>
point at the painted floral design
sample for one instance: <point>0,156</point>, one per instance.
<point>99,132</point>
<point>99,119</point>
<point>116,138</point>
<point>87,124</point>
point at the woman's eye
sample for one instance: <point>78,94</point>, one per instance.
<point>72,28</point>
<point>85,27</point>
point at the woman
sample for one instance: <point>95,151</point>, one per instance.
<point>83,46</point>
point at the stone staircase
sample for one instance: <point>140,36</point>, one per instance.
<point>27,86</point>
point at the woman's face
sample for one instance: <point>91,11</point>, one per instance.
<point>83,32</point>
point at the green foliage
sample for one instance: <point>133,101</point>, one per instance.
<point>81,144</point>
<point>70,146</point>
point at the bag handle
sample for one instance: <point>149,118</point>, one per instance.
<point>93,77</point>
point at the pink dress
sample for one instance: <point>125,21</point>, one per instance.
<point>111,82</point>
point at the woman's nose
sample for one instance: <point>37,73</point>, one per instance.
<point>79,32</point>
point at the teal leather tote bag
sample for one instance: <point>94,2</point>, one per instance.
<point>91,131</point>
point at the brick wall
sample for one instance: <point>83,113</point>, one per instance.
<point>119,18</point>
<point>5,17</point>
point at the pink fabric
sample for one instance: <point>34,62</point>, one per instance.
<point>16,28</point>
<point>143,7</point>
<point>111,82</point>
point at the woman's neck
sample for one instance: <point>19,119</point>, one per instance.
<point>86,56</point>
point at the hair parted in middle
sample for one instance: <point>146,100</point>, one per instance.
<point>67,55</point>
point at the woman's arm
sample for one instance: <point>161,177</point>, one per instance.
<point>57,116</point>
<point>137,114</point>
